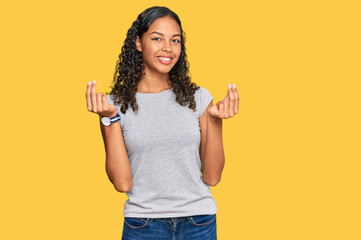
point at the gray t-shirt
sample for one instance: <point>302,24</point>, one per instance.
<point>162,142</point>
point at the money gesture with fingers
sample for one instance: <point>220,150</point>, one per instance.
<point>228,106</point>
<point>98,103</point>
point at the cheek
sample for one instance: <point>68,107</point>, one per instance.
<point>177,50</point>
<point>150,51</point>
<point>178,54</point>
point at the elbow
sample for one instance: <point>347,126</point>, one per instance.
<point>211,182</point>
<point>123,188</point>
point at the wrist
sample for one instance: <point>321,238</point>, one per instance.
<point>108,115</point>
<point>107,121</point>
<point>113,114</point>
<point>214,119</point>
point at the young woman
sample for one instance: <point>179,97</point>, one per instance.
<point>162,134</point>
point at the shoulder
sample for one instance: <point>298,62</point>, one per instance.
<point>202,91</point>
<point>112,98</point>
<point>202,94</point>
<point>203,97</point>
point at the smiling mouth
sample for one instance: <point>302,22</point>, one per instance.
<point>165,60</point>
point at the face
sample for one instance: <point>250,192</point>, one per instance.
<point>160,45</point>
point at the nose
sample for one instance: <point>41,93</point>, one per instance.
<point>167,47</point>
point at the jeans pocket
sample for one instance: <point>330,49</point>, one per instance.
<point>136,223</point>
<point>202,220</point>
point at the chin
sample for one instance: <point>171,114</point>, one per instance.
<point>165,70</point>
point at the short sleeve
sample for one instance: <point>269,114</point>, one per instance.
<point>204,99</point>
<point>110,101</point>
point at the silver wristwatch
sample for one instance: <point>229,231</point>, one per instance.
<point>109,120</point>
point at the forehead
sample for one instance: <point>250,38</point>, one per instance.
<point>165,25</point>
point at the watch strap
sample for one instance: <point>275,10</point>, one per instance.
<point>114,119</point>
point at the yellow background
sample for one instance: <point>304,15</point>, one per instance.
<point>292,152</point>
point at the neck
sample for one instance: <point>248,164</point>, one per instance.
<point>152,82</point>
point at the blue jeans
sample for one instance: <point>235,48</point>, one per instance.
<point>199,227</point>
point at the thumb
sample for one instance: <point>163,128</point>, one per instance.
<point>104,99</point>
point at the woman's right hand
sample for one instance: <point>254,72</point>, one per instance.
<point>98,103</point>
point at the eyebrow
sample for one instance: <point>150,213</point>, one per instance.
<point>163,34</point>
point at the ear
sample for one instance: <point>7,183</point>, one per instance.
<point>138,44</point>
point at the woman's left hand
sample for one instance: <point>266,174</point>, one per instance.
<point>228,106</point>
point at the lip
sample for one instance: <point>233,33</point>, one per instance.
<point>165,63</point>
<point>166,57</point>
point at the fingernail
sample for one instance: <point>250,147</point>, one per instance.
<point>94,82</point>
<point>89,83</point>
<point>234,85</point>
<point>229,85</point>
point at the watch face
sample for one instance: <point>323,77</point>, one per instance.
<point>106,121</point>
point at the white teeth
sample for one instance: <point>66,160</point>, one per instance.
<point>167,59</point>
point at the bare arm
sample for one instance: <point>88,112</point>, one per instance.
<point>211,125</point>
<point>117,163</point>
<point>212,153</point>
<point>214,158</point>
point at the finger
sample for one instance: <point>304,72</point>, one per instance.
<point>87,96</point>
<point>99,102</point>
<point>226,109</point>
<point>104,100</point>
<point>219,103</point>
<point>221,110</point>
<point>231,101</point>
<point>236,106</point>
<point>227,96</point>
<point>216,111</point>
<point>93,93</point>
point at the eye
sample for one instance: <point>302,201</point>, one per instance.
<point>155,38</point>
<point>177,40</point>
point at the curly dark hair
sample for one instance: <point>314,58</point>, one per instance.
<point>130,66</point>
